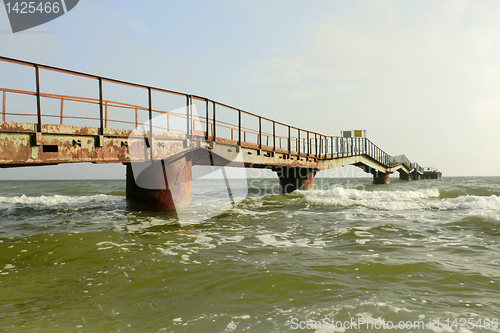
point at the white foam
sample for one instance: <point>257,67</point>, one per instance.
<point>386,200</point>
<point>405,200</point>
<point>167,251</point>
<point>54,200</point>
<point>472,202</point>
<point>272,241</point>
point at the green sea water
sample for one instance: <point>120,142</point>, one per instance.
<point>74,259</point>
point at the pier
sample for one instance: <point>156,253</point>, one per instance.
<point>162,136</point>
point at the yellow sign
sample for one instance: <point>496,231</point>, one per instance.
<point>358,134</point>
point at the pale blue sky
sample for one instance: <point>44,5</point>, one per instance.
<point>422,77</point>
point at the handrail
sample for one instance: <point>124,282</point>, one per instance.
<point>302,142</point>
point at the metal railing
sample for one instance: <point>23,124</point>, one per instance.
<point>265,133</point>
<point>417,167</point>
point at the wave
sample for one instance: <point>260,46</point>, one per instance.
<point>428,199</point>
<point>55,200</point>
<point>459,192</point>
<point>470,202</point>
<point>389,200</point>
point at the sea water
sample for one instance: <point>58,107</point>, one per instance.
<point>332,259</point>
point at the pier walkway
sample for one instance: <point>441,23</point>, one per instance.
<point>51,116</point>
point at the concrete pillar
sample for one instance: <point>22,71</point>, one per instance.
<point>159,186</point>
<point>292,179</point>
<point>404,176</point>
<point>415,176</point>
<point>381,178</point>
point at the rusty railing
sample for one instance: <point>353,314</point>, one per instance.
<point>291,140</point>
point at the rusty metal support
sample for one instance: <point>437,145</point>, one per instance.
<point>38,102</point>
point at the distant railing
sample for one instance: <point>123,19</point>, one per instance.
<point>208,123</point>
<point>415,166</point>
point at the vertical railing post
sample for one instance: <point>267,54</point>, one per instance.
<point>289,141</point>
<point>343,145</point>
<point>193,125</point>
<point>274,135</point>
<point>308,145</point>
<point>213,123</point>
<point>62,108</point>
<point>38,103</point>
<point>137,118</point>
<point>323,146</point>
<point>105,114</point>
<point>206,119</point>
<point>101,110</point>
<point>298,141</point>
<point>239,127</point>
<point>320,146</point>
<point>316,144</point>
<point>188,119</point>
<point>150,102</point>
<point>326,148</point>
<point>4,105</point>
<point>260,132</point>
<point>331,141</point>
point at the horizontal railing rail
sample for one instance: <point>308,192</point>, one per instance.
<point>265,133</point>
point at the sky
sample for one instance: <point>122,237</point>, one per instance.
<point>421,77</point>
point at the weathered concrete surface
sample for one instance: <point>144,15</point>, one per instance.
<point>381,178</point>
<point>292,179</point>
<point>161,185</point>
<point>415,175</point>
<point>21,145</point>
<point>404,176</point>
